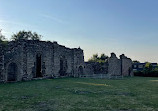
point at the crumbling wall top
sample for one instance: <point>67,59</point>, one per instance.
<point>124,57</point>
<point>113,55</point>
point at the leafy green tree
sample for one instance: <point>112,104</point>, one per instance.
<point>26,35</point>
<point>93,58</point>
<point>103,57</point>
<point>147,64</point>
<point>148,68</point>
<point>156,69</point>
<point>99,59</point>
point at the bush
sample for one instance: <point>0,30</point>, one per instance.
<point>152,73</point>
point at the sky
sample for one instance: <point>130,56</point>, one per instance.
<point>127,27</point>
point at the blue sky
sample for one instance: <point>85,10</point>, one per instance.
<point>97,26</point>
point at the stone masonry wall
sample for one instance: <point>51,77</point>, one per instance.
<point>114,65</point>
<point>14,54</point>
<point>65,54</point>
<point>45,51</point>
<point>1,63</point>
<point>88,70</point>
<point>56,60</point>
<point>126,66</point>
<point>78,62</point>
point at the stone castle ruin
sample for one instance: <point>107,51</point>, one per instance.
<point>29,59</point>
<point>112,68</point>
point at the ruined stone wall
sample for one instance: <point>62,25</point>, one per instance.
<point>34,49</point>
<point>1,63</point>
<point>31,59</point>
<point>56,60</point>
<point>47,60</point>
<point>126,66</point>
<point>50,53</point>
<point>14,54</point>
<point>88,69</point>
<point>97,68</point>
<point>63,61</point>
<point>78,62</point>
<point>114,65</point>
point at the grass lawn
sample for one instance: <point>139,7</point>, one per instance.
<point>80,94</point>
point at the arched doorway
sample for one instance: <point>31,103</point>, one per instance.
<point>80,70</point>
<point>12,72</point>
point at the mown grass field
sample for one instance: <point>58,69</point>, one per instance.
<point>79,94</point>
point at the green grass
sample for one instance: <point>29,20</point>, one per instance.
<point>79,94</point>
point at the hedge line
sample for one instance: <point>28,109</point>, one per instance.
<point>149,74</point>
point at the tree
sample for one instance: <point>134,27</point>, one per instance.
<point>96,58</point>
<point>93,58</point>
<point>147,64</point>
<point>26,35</point>
<point>3,41</point>
<point>2,37</point>
<point>148,68</point>
<point>103,57</point>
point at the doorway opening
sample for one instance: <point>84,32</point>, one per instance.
<point>63,66</point>
<point>38,66</point>
<point>12,72</point>
<point>80,70</point>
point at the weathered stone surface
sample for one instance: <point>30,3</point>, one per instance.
<point>88,68</point>
<point>114,68</point>
<point>40,59</point>
<point>96,68</point>
<point>111,67</point>
<point>28,59</point>
<point>126,68</point>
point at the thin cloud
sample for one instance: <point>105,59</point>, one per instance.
<point>53,18</point>
<point>14,23</point>
<point>10,27</point>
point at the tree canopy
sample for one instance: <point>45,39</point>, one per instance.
<point>2,37</point>
<point>96,58</point>
<point>26,35</point>
<point>3,41</point>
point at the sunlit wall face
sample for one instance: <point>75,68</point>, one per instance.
<point>102,26</point>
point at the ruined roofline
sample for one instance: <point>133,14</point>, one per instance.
<point>45,42</point>
<point>122,56</point>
